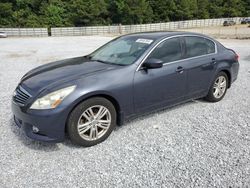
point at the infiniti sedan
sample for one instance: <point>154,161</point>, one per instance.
<point>86,97</point>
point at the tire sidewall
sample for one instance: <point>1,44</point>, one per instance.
<point>72,122</point>
<point>210,96</point>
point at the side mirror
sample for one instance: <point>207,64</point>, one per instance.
<point>153,64</point>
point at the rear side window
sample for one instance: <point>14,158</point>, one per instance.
<point>197,46</point>
<point>168,51</point>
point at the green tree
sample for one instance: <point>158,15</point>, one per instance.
<point>233,8</point>
<point>247,8</point>
<point>25,13</point>
<point>165,12</point>
<point>203,9</point>
<point>186,9</point>
<point>116,8</point>
<point>55,13</point>
<point>131,11</point>
<point>216,9</point>
<point>88,12</point>
<point>53,16</point>
<point>6,14</point>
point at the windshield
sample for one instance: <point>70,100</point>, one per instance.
<point>122,51</point>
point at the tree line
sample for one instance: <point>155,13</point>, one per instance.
<point>57,13</point>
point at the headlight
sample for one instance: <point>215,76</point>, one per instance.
<point>52,100</point>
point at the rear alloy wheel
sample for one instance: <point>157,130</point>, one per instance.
<point>219,88</point>
<point>92,121</point>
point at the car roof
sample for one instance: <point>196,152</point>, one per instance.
<point>155,35</point>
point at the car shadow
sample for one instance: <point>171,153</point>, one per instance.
<point>145,116</point>
<point>67,142</point>
<point>32,144</point>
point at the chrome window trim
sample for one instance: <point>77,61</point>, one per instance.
<point>190,58</point>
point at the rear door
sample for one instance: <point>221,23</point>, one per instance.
<point>200,54</point>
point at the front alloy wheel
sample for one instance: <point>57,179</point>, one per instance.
<point>92,121</point>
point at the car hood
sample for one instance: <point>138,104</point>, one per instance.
<point>54,73</point>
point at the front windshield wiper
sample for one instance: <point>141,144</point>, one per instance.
<point>88,56</point>
<point>107,62</point>
<point>101,61</point>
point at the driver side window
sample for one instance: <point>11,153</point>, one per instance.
<point>167,51</point>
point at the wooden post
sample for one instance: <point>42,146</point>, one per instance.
<point>236,32</point>
<point>120,28</point>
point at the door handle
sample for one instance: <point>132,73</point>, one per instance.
<point>213,61</point>
<point>180,69</point>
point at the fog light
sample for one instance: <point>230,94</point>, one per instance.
<point>35,129</point>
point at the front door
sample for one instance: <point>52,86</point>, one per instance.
<point>162,86</point>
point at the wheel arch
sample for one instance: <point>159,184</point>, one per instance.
<point>228,76</point>
<point>109,97</point>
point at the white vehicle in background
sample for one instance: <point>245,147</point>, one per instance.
<point>3,35</point>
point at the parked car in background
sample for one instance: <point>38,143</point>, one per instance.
<point>245,21</point>
<point>229,23</point>
<point>86,97</point>
<point>3,35</point>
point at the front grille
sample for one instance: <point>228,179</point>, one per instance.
<point>21,96</point>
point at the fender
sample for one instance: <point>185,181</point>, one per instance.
<point>101,93</point>
<point>222,66</point>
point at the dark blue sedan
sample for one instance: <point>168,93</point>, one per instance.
<point>86,97</point>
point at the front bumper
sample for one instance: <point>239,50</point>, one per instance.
<point>51,123</point>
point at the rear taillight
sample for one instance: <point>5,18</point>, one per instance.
<point>237,57</point>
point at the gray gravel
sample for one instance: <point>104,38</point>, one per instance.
<point>197,144</point>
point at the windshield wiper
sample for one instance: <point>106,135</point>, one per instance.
<point>101,61</point>
<point>88,56</point>
<point>106,62</point>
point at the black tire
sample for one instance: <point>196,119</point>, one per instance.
<point>72,123</point>
<point>210,97</point>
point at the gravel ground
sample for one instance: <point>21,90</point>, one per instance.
<point>197,144</point>
<point>235,31</point>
